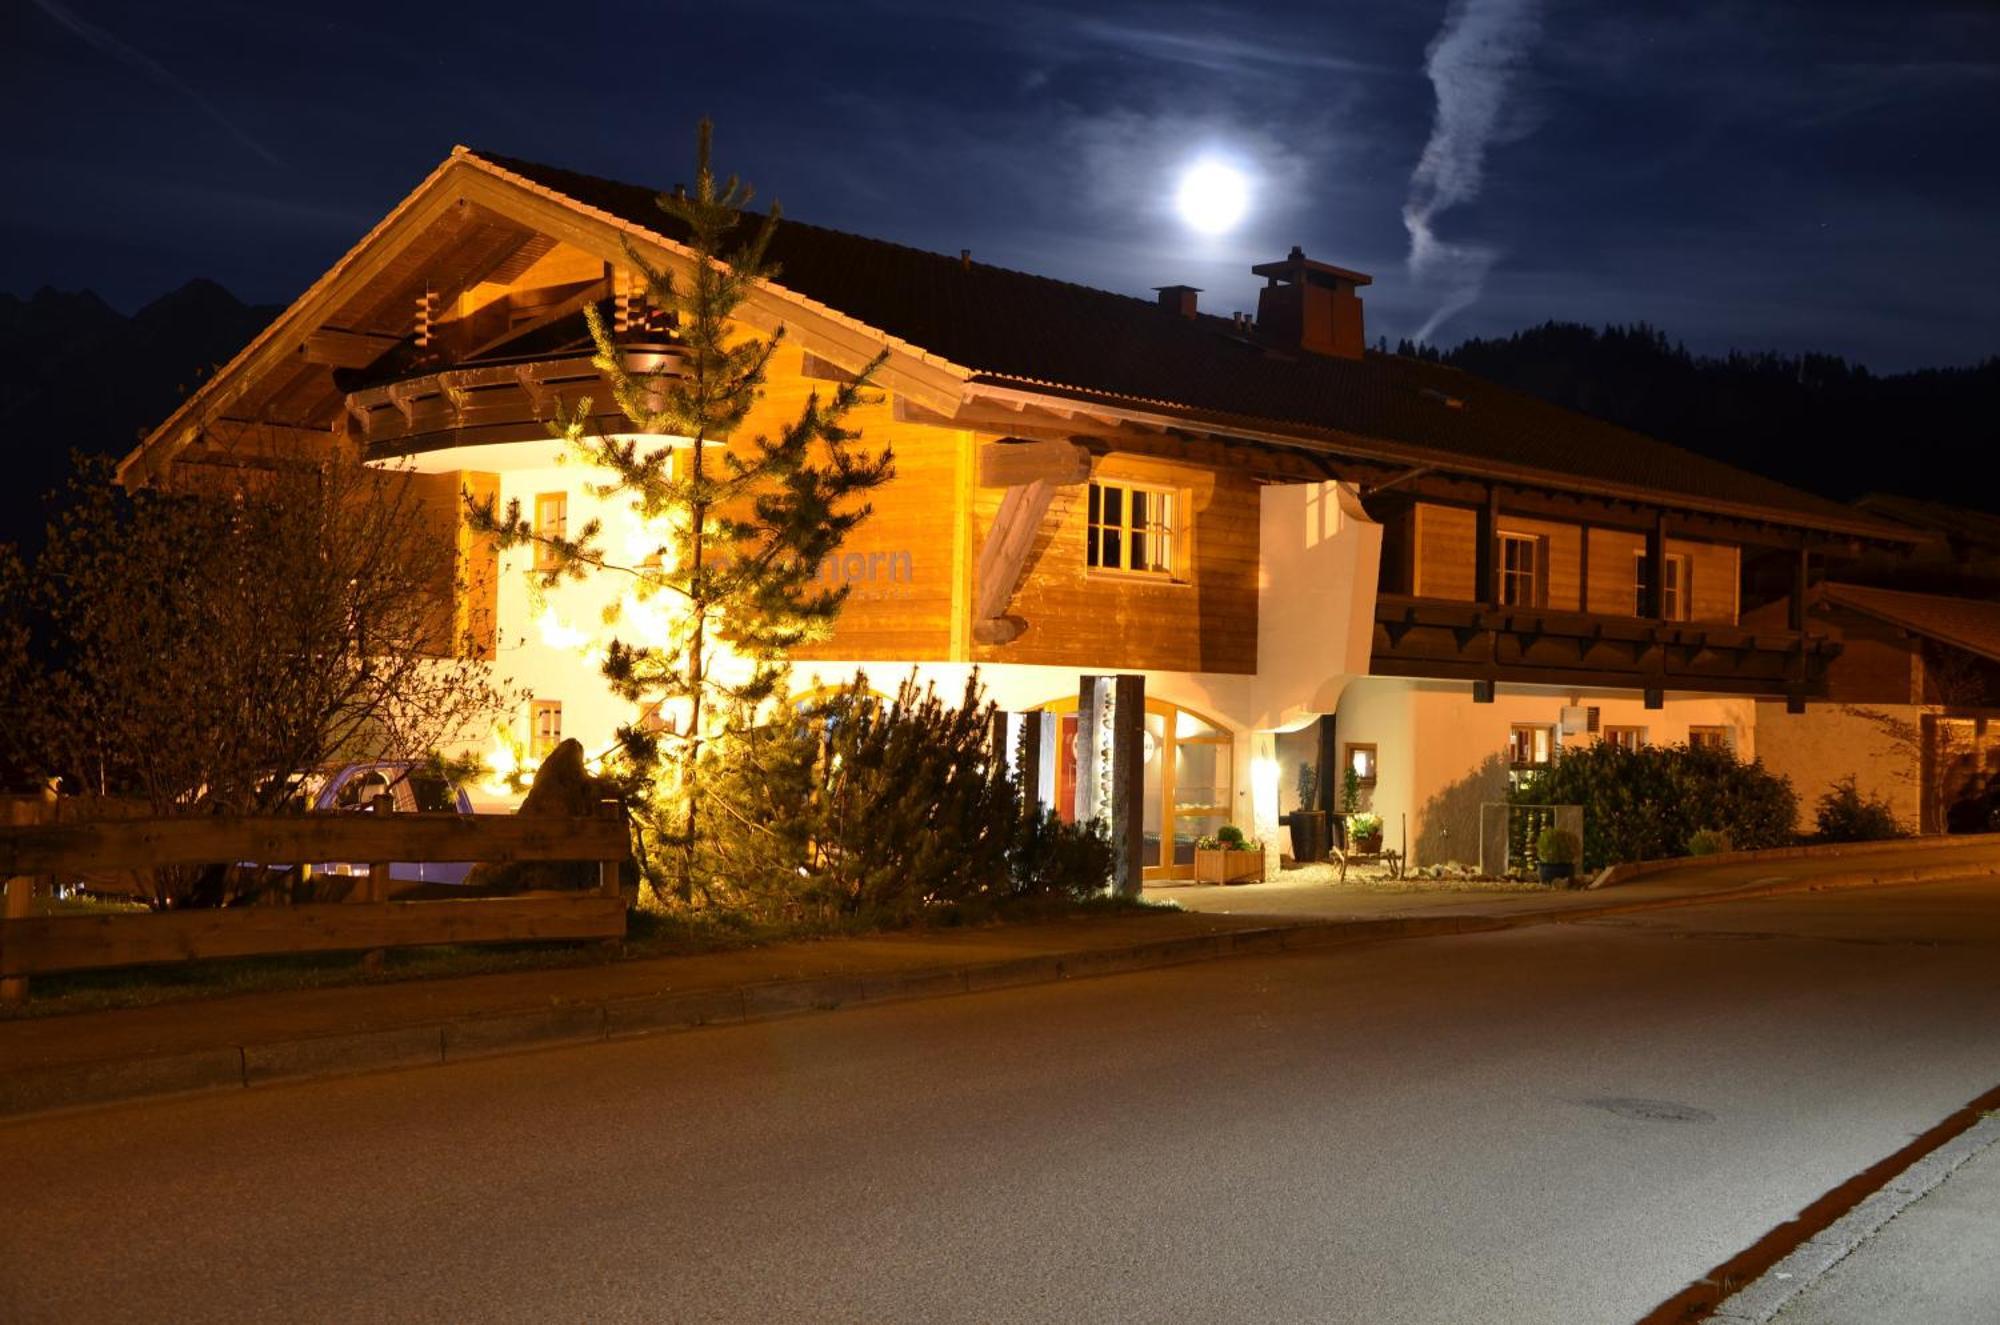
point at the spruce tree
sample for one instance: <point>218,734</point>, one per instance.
<point>745,525</point>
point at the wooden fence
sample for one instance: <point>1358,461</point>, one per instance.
<point>367,921</point>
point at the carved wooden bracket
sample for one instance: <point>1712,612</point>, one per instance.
<point>1031,471</point>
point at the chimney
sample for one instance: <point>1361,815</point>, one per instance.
<point>1177,299</point>
<point>1311,306</point>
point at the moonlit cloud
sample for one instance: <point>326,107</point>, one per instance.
<point>106,43</point>
<point>1471,62</point>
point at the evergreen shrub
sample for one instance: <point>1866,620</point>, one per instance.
<point>858,806</point>
<point>1845,815</point>
<point>1709,842</point>
<point>1648,803</point>
<point>1556,846</point>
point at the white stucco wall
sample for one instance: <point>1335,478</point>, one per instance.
<point>1319,556</point>
<point>1829,741</point>
<point>1440,754</point>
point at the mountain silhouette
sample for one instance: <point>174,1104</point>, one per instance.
<point>77,375</point>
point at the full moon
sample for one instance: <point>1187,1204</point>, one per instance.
<point>1212,197</point>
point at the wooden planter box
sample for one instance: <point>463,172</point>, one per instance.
<point>1228,866</point>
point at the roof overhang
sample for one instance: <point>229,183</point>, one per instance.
<point>466,179</point>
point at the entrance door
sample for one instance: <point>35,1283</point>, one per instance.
<point>1189,763</point>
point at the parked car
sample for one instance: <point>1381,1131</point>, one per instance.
<point>396,787</point>
<point>1977,812</point>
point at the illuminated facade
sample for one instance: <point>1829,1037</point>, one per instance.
<point>1313,553</point>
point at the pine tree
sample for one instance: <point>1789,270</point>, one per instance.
<point>746,526</point>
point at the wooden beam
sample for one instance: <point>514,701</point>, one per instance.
<point>346,349</point>
<point>1013,461</point>
<point>1002,557</point>
<point>1486,547</point>
<point>211,839</point>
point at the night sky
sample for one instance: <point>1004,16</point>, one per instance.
<point>1813,176</point>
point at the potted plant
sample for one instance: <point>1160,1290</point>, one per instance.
<point>1556,850</point>
<point>1350,805</point>
<point>1307,823</point>
<point>1364,833</point>
<point>1228,857</point>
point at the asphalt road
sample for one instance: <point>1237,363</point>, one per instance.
<point>1563,1124</point>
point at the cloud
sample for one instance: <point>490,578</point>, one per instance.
<point>1471,62</point>
<point>107,44</point>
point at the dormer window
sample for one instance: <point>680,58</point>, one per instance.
<point>1133,528</point>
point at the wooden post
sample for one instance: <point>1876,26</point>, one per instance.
<point>1656,570</point>
<point>608,869</point>
<point>1583,568</point>
<point>1486,548</point>
<point>20,898</point>
<point>1795,614</point>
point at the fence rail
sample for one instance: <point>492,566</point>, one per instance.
<point>368,922</point>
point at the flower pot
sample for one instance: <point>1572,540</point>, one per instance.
<point>1555,871</point>
<point>1223,866</point>
<point>1308,834</point>
<point>1366,844</point>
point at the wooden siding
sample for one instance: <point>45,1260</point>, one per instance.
<point>1562,549</point>
<point>904,565</point>
<point>1713,572</point>
<point>1203,620</point>
<point>1446,552</point>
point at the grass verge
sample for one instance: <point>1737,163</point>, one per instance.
<point>648,934</point>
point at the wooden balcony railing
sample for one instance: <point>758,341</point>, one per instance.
<point>1426,637</point>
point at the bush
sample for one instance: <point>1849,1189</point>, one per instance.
<point>1648,803</point>
<point>1229,837</point>
<point>1557,846</point>
<point>1709,842</point>
<point>857,806</point>
<point>1845,815</point>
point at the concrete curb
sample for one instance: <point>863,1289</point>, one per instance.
<point>1612,875</point>
<point>84,1085</point>
<point>1797,1272</point>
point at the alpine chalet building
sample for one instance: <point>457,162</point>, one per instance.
<point>1312,552</point>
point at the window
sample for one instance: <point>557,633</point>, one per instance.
<point>1673,592</point>
<point>1520,570</point>
<point>1628,738</point>
<point>1361,758</point>
<point>1530,745</point>
<point>1710,738</point>
<point>551,521</point>
<point>1132,529</point>
<point>545,726</point>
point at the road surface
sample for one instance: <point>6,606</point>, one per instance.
<point>1557,1124</point>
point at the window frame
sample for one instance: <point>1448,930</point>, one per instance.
<point>545,557</point>
<point>1623,735</point>
<point>541,746</point>
<point>1676,591</point>
<point>1516,730</point>
<point>1713,736</point>
<point>1171,531</point>
<point>1536,575</point>
<point>1352,748</point>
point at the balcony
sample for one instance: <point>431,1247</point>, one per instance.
<point>1427,637</point>
<point>489,401</point>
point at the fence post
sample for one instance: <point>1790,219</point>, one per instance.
<point>608,869</point>
<point>20,896</point>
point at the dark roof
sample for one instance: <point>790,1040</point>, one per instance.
<point>1013,327</point>
<point>1972,624</point>
<point>1971,533</point>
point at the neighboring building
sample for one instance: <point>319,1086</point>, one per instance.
<point>1912,703</point>
<point>1312,552</point>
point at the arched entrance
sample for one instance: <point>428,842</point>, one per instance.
<point>1189,762</point>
